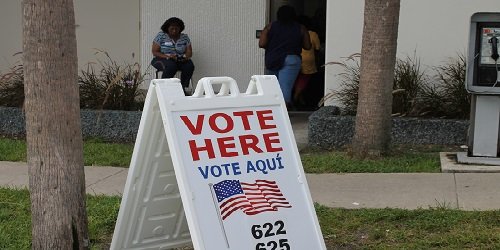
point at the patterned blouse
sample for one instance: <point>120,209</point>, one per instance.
<point>168,46</point>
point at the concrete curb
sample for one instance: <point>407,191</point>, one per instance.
<point>449,164</point>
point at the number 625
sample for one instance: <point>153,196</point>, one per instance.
<point>283,245</point>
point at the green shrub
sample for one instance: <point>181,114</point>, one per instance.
<point>112,86</point>
<point>415,93</point>
<point>447,96</point>
<point>347,94</point>
<point>408,80</point>
<point>12,87</point>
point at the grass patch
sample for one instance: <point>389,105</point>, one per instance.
<point>340,162</point>
<point>342,228</point>
<point>12,150</point>
<point>99,153</point>
<point>403,159</point>
<point>409,229</point>
<point>102,213</point>
<point>95,152</point>
<point>15,219</point>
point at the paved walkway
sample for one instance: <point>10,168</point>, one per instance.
<point>467,191</point>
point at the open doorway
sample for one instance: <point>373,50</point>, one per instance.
<point>315,11</point>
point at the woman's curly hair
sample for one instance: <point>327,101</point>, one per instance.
<point>172,21</point>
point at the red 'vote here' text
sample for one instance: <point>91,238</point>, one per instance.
<point>231,146</point>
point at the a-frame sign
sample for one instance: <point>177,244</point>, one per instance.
<point>220,171</point>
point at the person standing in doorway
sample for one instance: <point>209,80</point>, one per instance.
<point>308,67</point>
<point>172,51</point>
<point>283,41</point>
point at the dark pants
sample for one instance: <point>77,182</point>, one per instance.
<point>170,67</point>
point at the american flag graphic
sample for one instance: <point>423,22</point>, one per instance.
<point>251,198</point>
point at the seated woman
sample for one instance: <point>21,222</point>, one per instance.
<point>172,51</point>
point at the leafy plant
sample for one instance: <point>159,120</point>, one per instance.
<point>347,95</point>
<point>12,87</point>
<point>447,97</point>
<point>415,93</point>
<point>408,80</point>
<point>112,86</point>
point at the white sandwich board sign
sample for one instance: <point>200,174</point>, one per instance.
<point>220,171</point>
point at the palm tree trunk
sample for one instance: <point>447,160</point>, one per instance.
<point>378,56</point>
<point>53,129</point>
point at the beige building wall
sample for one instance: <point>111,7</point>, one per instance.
<point>11,30</point>
<point>434,30</point>
<point>222,33</point>
<point>109,25</point>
